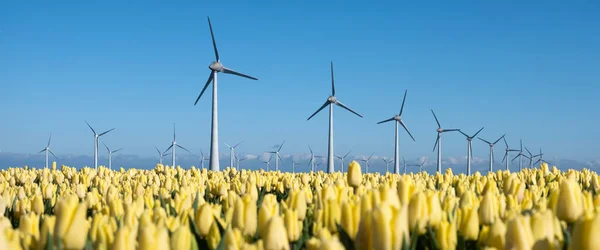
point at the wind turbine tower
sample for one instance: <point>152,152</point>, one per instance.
<point>367,161</point>
<point>438,141</point>
<point>232,153</point>
<point>491,150</point>
<point>215,68</point>
<point>47,150</point>
<point>110,152</point>
<point>277,157</point>
<point>469,149</point>
<point>173,146</point>
<point>160,155</point>
<point>398,120</point>
<point>96,139</point>
<point>507,151</point>
<point>342,159</point>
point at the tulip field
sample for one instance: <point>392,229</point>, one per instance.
<point>176,208</point>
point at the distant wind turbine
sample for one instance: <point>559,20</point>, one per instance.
<point>520,156</point>
<point>238,160</point>
<point>342,159</point>
<point>160,155</point>
<point>232,153</point>
<point>202,159</point>
<point>469,149</point>
<point>420,166</point>
<point>215,68</point>
<point>404,161</point>
<point>541,158</point>
<point>367,161</point>
<point>311,163</point>
<point>530,157</point>
<point>47,150</point>
<point>173,146</point>
<point>96,139</point>
<point>294,163</point>
<point>268,162</point>
<point>438,141</point>
<point>398,120</point>
<point>277,156</point>
<point>331,100</point>
<point>491,151</point>
<point>110,152</point>
<point>507,151</point>
<point>387,164</point>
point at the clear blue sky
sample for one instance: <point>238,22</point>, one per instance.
<point>529,70</point>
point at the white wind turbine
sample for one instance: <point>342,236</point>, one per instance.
<point>311,163</point>
<point>420,166</point>
<point>215,68</point>
<point>96,139</point>
<point>268,162</point>
<point>331,100</point>
<point>507,151</point>
<point>232,153</point>
<point>541,159</point>
<point>342,159</point>
<point>47,150</point>
<point>367,162</point>
<point>173,146</point>
<point>277,157</point>
<point>202,159</point>
<point>491,150</point>
<point>438,141</point>
<point>294,163</point>
<point>520,156</point>
<point>238,160</point>
<point>469,149</point>
<point>110,155</point>
<point>160,155</point>
<point>398,120</point>
<point>404,161</point>
<point>387,164</point>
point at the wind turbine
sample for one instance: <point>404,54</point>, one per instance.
<point>404,161</point>
<point>268,162</point>
<point>277,157</point>
<point>469,149</point>
<point>530,157</point>
<point>173,145</point>
<point>491,150</point>
<point>541,159</point>
<point>367,162</point>
<point>387,163</point>
<point>215,68</point>
<point>438,141</point>
<point>398,120</point>
<point>311,163</point>
<point>96,138</point>
<point>294,163</point>
<point>160,155</point>
<point>238,161</point>
<point>47,150</point>
<point>342,159</point>
<point>110,155</point>
<point>507,151</point>
<point>331,100</point>
<point>420,166</point>
<point>202,159</point>
<point>232,154</point>
<point>520,155</point>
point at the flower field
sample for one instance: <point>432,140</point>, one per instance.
<point>175,208</point>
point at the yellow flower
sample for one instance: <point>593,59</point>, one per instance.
<point>153,238</point>
<point>332,215</point>
<point>38,205</point>
<point>331,245</point>
<point>47,228</point>
<point>354,174</point>
<point>569,206</point>
<point>518,234</point>
<point>446,235</point>
<point>418,213</point>
<point>297,201</point>
<point>182,239</point>
<point>350,218</point>
<point>434,208</point>
<point>29,224</point>
<point>292,225</point>
<point>585,234</point>
<point>233,238</point>
<point>469,223</point>
<point>488,210</point>
<point>124,240</point>
<point>542,225</point>
<point>204,219</point>
<point>274,236</point>
<point>497,235</point>
<point>71,226</point>
<point>244,216</point>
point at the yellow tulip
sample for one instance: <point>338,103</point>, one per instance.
<point>331,245</point>
<point>274,237</point>
<point>332,215</point>
<point>354,174</point>
<point>244,217</point>
<point>233,238</point>
<point>214,237</point>
<point>497,235</point>
<point>153,238</point>
<point>350,218</point>
<point>292,225</point>
<point>124,240</point>
<point>469,223</point>
<point>182,239</point>
<point>47,228</point>
<point>488,209</point>
<point>297,201</point>
<point>542,225</point>
<point>204,219</point>
<point>446,235</point>
<point>569,206</point>
<point>418,213</point>
<point>29,224</point>
<point>434,208</point>
<point>585,234</point>
<point>518,234</point>
<point>71,227</point>
<point>38,205</point>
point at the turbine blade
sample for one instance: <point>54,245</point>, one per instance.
<point>238,144</point>
<point>117,150</point>
<point>506,143</point>
<point>463,133</point>
<point>347,153</point>
<point>499,139</point>
<point>157,149</point>
<point>311,152</point>
<point>436,142</point>
<point>528,151</point>
<point>181,147</point>
<point>471,150</point>
<point>318,110</point>
<point>210,78</point>
<point>52,153</point>
<point>212,35</point>
<point>403,100</point>
<point>346,108</point>
<point>405,128</point>
<point>310,161</point>
<point>280,146</point>
<point>42,151</point>
<point>106,132</point>
<point>450,130</point>
<point>168,149</point>
<point>384,121</point>
<point>521,141</point>
<point>368,159</point>
<point>516,157</point>
<point>475,135</point>
<point>227,145</point>
<point>94,131</point>
<point>436,119</point>
<point>484,140</point>
<point>233,72</point>
<point>49,140</point>
<point>505,155</point>
<point>537,161</point>
<point>174,132</point>
<point>107,149</point>
<point>332,81</point>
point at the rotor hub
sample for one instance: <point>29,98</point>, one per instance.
<point>332,99</point>
<point>216,66</point>
<point>440,130</point>
<point>398,118</point>
<point>469,138</point>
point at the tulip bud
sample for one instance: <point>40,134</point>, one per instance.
<point>124,240</point>
<point>29,224</point>
<point>354,174</point>
<point>585,234</point>
<point>153,238</point>
<point>518,234</point>
<point>275,237</point>
<point>38,205</point>
<point>418,213</point>
<point>469,223</point>
<point>333,244</point>
<point>542,225</point>
<point>204,219</point>
<point>233,238</point>
<point>71,225</point>
<point>182,239</point>
<point>332,215</point>
<point>350,218</point>
<point>569,206</point>
<point>446,235</point>
<point>434,208</point>
<point>292,225</point>
<point>497,235</point>
<point>488,209</point>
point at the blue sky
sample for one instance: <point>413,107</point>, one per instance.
<point>528,70</point>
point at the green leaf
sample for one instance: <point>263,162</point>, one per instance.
<point>433,239</point>
<point>345,238</point>
<point>566,236</point>
<point>221,229</point>
<point>89,245</point>
<point>461,244</point>
<point>201,242</point>
<point>49,242</point>
<point>196,203</point>
<point>414,239</point>
<point>221,245</point>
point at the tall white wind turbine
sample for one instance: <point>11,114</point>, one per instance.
<point>277,156</point>
<point>507,151</point>
<point>96,139</point>
<point>173,146</point>
<point>438,141</point>
<point>491,144</point>
<point>47,150</point>
<point>215,68</point>
<point>331,100</point>
<point>541,158</point>
<point>110,152</point>
<point>398,120</point>
<point>342,159</point>
<point>469,149</point>
<point>232,153</point>
<point>160,155</point>
<point>367,161</point>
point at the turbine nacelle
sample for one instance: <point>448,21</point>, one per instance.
<point>216,66</point>
<point>398,118</point>
<point>332,99</point>
<point>440,130</point>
